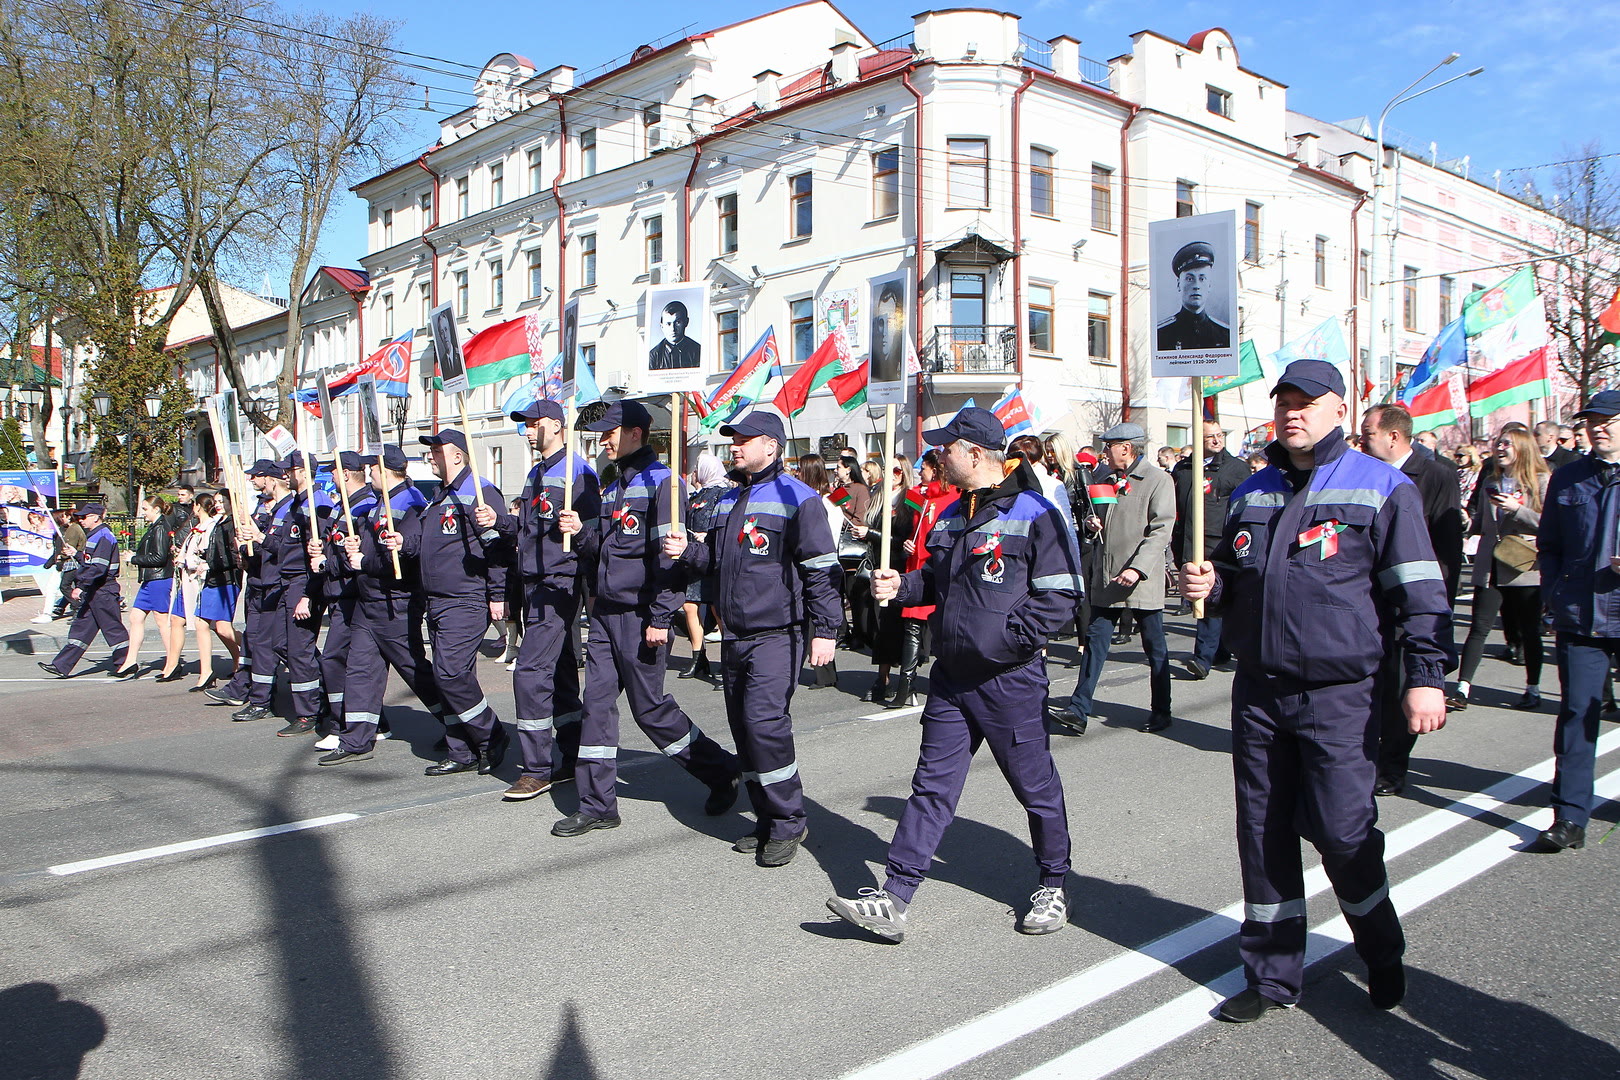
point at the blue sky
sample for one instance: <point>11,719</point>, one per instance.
<point>1552,66</point>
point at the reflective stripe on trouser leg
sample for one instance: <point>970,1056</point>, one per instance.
<point>266,647</point>
<point>303,660</point>
<point>242,676</point>
<point>759,675</point>
<point>546,679</point>
<point>335,653</point>
<point>597,769</point>
<point>457,626</point>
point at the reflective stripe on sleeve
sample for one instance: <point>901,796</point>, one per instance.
<point>1379,895</point>
<point>665,530</point>
<point>1056,581</point>
<point>98,559</point>
<point>1271,913</point>
<point>1407,572</point>
<point>816,562</point>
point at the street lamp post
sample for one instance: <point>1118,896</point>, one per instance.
<point>1386,368</point>
<point>399,409</point>
<point>128,424</point>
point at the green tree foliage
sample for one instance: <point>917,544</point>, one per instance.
<point>12,453</point>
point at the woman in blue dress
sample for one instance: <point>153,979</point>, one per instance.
<point>153,559</point>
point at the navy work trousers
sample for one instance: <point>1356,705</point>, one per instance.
<point>383,635</point>
<point>335,653</point>
<point>1103,620</point>
<point>456,626</point>
<point>1303,761</point>
<point>241,684</point>
<point>98,613</point>
<point>546,680</point>
<point>265,647</point>
<point>618,657</point>
<point>1005,711</point>
<point>759,674</point>
<point>1583,668</point>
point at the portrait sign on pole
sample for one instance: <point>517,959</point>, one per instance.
<point>887,339</point>
<point>1192,268</point>
<point>371,438</point>
<point>570,347</point>
<point>675,318</point>
<point>447,349</point>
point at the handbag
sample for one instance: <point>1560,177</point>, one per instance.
<point>1516,552</point>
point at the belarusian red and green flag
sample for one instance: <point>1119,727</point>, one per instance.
<point>1521,381</point>
<point>1610,322</point>
<point>849,389</point>
<point>1433,408</point>
<point>1486,308</point>
<point>824,365</point>
<point>839,495</point>
<point>497,353</point>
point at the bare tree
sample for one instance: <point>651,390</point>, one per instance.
<point>1585,197</point>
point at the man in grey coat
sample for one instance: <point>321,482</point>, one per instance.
<point>1134,511</point>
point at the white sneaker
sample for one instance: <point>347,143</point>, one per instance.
<point>42,618</point>
<point>328,743</point>
<point>872,910</point>
<point>384,735</point>
<point>512,666</point>
<point>712,635</point>
<point>1048,913</point>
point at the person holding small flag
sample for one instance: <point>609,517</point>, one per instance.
<point>96,590</point>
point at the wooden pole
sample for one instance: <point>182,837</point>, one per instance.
<point>677,437</point>
<point>338,471</point>
<point>1196,496</point>
<point>309,468</point>
<point>888,491</point>
<point>472,457</point>
<point>568,465</point>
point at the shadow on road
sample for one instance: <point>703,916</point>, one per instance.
<point>571,1060</point>
<point>42,1036</point>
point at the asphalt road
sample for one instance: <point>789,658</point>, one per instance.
<point>422,928</point>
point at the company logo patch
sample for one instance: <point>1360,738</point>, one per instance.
<point>629,523</point>
<point>752,537</point>
<point>448,523</point>
<point>1242,544</point>
<point>994,566</point>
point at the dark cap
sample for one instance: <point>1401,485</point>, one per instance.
<point>1314,377</point>
<point>446,437</point>
<point>1602,403</point>
<point>1125,432</point>
<point>625,413</point>
<point>351,461</point>
<point>976,425</point>
<point>393,458</point>
<point>265,467</point>
<point>543,409</point>
<point>1192,255</point>
<point>758,422</point>
<point>90,508</point>
<point>294,460</point>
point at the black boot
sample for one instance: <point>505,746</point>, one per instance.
<point>903,697</point>
<point>879,693</point>
<point>699,668</point>
<point>913,644</point>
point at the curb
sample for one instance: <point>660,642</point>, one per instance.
<point>32,642</point>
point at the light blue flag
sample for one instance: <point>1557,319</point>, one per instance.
<point>1448,349</point>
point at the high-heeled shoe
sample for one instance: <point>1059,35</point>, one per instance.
<point>172,676</point>
<point>130,673</point>
<point>201,687</point>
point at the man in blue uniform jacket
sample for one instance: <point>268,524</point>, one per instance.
<point>96,589</point>
<point>1003,577</point>
<point>1325,565</point>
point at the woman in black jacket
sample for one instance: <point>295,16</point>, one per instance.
<point>153,559</point>
<point>208,581</point>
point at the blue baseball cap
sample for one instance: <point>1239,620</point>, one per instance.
<point>975,425</point>
<point>90,508</point>
<point>758,422</point>
<point>351,461</point>
<point>543,409</point>
<point>265,467</point>
<point>446,437</point>
<point>1314,377</point>
<point>294,460</point>
<point>1602,403</point>
<point>625,413</point>
<point>393,458</point>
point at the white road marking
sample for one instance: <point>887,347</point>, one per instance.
<point>1017,1019</point>
<point>890,714</point>
<point>1157,1028</point>
<point>66,869</point>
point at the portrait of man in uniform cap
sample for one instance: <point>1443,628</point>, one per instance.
<point>1191,327</point>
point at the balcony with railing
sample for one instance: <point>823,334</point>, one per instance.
<point>990,351</point>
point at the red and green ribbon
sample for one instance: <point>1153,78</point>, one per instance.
<point>1326,534</point>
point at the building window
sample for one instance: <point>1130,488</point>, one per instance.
<point>388,228</point>
<point>497,183</point>
<point>497,284</point>
<point>424,203</point>
<point>802,323</point>
<point>537,177</point>
<point>1218,101</point>
<point>587,259</point>
<point>654,229</point>
<point>463,204</point>
<point>967,304</point>
<point>1040,318</point>
<point>1363,273</point>
<point>800,210</point>
<point>652,124</point>
<point>1251,232</point>
<point>726,337</point>
<point>388,315</point>
<point>1097,327</point>
<point>1409,297</point>
<point>886,182</point>
<point>726,208</point>
<point>426,304</point>
<point>969,173</point>
<point>535,280</point>
<point>1319,262</point>
<point>1102,198</point>
<point>1448,299</point>
<point>1042,182</point>
<point>587,356</point>
<point>1184,198</point>
<point>497,470</point>
<point>461,294</point>
<point>587,152</point>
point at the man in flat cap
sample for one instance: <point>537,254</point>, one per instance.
<point>1324,567</point>
<point>1191,327</point>
<point>1133,512</point>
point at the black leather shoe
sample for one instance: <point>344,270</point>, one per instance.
<point>449,768</point>
<point>1456,702</point>
<point>1389,785</point>
<point>1563,834</point>
<point>1065,717</point>
<point>878,693</point>
<point>224,697</point>
<point>300,725</point>
<point>580,823</point>
<point>1156,722</point>
<point>1120,639</point>
<point>722,797</point>
<point>1196,667</point>
<point>493,755</point>
<point>1247,1007</point>
<point>1530,702</point>
<point>251,712</point>
<point>338,757</point>
<point>780,852</point>
<point>1386,986</point>
<point>52,669</point>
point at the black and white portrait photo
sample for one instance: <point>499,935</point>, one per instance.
<point>887,304</point>
<point>447,349</point>
<point>1193,292</point>
<point>371,439</point>
<point>675,319</point>
<point>570,343</point>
